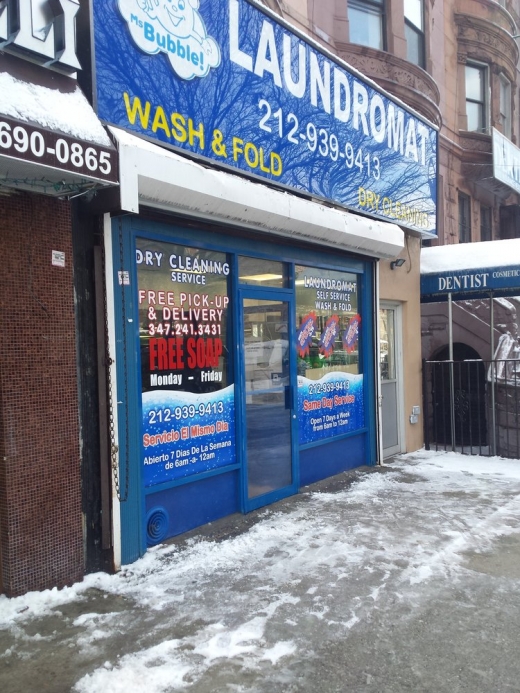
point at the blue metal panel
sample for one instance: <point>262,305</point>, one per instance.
<point>133,541</point>
<point>294,389</point>
<point>189,479</point>
<point>179,232</point>
<point>368,362</point>
<point>269,294</point>
<point>332,458</point>
<point>195,504</point>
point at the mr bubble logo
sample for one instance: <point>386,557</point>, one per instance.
<point>175,28</point>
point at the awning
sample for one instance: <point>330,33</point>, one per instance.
<point>465,271</point>
<point>470,270</point>
<point>156,177</point>
<point>51,141</point>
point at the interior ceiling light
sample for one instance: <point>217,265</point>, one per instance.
<point>261,277</point>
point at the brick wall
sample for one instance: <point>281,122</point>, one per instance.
<point>40,500</point>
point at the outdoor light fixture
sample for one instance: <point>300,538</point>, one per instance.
<point>397,263</point>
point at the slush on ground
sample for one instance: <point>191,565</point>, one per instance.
<point>404,577</point>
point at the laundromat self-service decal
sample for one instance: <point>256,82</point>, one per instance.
<point>330,386</point>
<point>188,423</point>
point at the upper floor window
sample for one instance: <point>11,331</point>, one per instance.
<point>476,105</point>
<point>414,32</point>
<point>464,218</point>
<point>485,223</point>
<point>366,22</point>
<point>505,105</point>
<point>509,221</point>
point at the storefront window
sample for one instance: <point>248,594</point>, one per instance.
<point>187,397</point>
<point>257,272</point>
<point>330,381</point>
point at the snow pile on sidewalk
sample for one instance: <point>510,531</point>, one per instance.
<point>263,602</point>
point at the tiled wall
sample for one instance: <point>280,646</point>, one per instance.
<point>40,501</point>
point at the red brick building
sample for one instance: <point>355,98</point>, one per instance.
<point>51,147</point>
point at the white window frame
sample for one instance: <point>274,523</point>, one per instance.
<point>374,8</point>
<point>505,104</point>
<point>418,31</point>
<point>484,69</point>
<point>400,447</point>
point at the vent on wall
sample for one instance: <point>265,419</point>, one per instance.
<point>157,523</point>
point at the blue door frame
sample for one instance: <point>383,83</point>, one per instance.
<point>285,296</point>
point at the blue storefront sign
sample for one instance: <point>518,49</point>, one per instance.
<point>471,283</point>
<point>226,81</point>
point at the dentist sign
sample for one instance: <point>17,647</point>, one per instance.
<point>226,81</point>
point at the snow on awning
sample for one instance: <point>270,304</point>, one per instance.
<point>470,270</point>
<point>153,176</point>
<point>51,140</point>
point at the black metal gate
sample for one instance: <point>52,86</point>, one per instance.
<point>472,406</point>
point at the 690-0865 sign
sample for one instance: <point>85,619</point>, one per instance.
<point>30,143</point>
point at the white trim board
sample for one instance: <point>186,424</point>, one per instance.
<point>159,178</point>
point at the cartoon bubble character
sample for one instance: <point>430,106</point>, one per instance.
<point>179,17</point>
<point>175,28</point>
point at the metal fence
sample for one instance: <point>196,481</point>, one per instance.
<point>472,407</point>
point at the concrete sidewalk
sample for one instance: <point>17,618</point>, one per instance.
<point>399,578</point>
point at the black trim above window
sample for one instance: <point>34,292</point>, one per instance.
<point>486,228</point>
<point>464,218</point>
<point>505,105</point>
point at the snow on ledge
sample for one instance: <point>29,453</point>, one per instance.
<point>468,256</point>
<point>66,112</point>
<point>157,177</point>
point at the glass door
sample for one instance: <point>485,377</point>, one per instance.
<point>389,332</point>
<point>269,398</point>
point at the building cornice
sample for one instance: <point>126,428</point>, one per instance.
<point>401,78</point>
<point>480,39</point>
